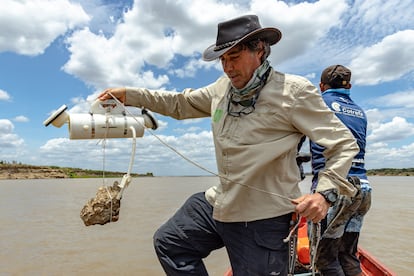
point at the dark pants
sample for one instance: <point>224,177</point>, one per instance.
<point>337,257</point>
<point>254,248</point>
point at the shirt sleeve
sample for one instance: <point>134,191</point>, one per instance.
<point>312,117</point>
<point>187,104</point>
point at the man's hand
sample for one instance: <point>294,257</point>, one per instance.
<point>312,206</point>
<point>119,93</point>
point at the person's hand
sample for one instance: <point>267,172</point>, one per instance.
<point>119,93</point>
<point>312,206</point>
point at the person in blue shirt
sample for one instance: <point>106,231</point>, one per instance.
<point>336,253</point>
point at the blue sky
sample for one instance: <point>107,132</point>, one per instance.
<point>55,52</point>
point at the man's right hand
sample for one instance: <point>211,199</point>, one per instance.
<point>110,93</point>
<point>312,206</point>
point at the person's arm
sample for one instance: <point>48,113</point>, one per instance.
<point>188,104</point>
<point>179,105</point>
<point>312,117</point>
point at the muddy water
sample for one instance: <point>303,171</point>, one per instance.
<point>41,232</point>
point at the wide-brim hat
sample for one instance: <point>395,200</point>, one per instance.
<point>233,32</point>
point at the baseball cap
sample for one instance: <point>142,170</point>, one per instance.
<point>336,76</point>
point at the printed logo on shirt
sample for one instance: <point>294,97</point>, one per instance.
<point>338,108</point>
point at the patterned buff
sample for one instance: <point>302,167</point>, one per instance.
<point>255,82</point>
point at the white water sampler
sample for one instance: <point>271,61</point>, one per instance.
<point>106,119</point>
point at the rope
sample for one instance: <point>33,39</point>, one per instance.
<point>292,231</point>
<point>131,163</point>
<point>103,166</point>
<point>127,177</point>
<point>292,240</point>
<point>292,234</point>
<point>193,162</point>
<point>134,147</point>
<point>315,238</point>
<point>109,194</point>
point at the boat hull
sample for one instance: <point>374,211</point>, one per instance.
<point>371,266</point>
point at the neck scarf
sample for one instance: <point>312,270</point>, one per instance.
<point>255,82</point>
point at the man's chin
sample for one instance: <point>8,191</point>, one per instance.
<point>237,84</point>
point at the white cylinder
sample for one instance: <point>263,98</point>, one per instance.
<point>101,126</point>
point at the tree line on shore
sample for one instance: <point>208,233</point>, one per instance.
<point>15,166</point>
<point>19,168</point>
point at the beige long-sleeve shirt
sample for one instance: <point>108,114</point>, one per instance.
<point>256,153</point>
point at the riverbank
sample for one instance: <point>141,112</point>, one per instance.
<point>22,171</point>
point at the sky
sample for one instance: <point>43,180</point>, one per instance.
<point>56,52</point>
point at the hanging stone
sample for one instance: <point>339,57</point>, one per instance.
<point>104,208</point>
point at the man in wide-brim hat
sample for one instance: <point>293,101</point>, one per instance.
<point>238,30</point>
<point>258,116</point>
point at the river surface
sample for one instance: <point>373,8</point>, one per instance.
<point>41,232</point>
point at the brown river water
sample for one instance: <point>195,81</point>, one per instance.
<point>41,232</point>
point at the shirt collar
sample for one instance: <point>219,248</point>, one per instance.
<point>338,90</point>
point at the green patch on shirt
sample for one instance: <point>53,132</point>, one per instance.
<point>217,115</point>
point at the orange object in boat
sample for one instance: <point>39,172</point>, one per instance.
<point>302,247</point>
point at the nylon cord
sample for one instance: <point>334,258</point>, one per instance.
<point>193,162</point>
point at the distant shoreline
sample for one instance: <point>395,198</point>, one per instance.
<point>391,172</point>
<point>22,171</point>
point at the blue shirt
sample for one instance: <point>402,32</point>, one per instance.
<point>339,101</point>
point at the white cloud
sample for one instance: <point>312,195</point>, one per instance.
<point>397,129</point>
<point>397,99</point>
<point>390,105</point>
<point>383,17</point>
<point>106,62</point>
<point>153,42</point>
<point>174,29</point>
<point>4,96</point>
<point>28,27</point>
<point>21,119</point>
<point>104,15</point>
<point>381,155</point>
<point>303,25</point>
<point>375,117</point>
<point>385,61</point>
<point>9,141</point>
<point>358,28</point>
<point>151,154</point>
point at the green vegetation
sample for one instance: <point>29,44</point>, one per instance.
<point>15,170</point>
<point>392,172</point>
<point>84,173</point>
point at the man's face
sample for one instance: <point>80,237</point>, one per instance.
<point>239,64</point>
